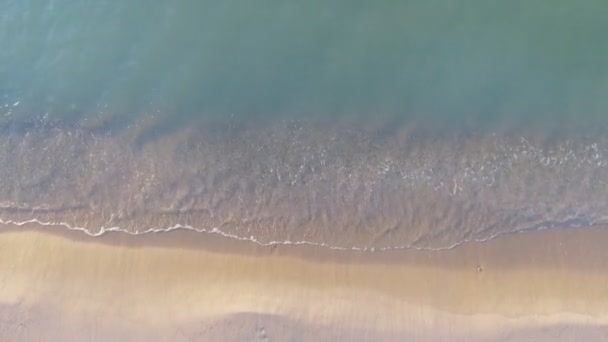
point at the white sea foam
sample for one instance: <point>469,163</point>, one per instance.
<point>104,230</point>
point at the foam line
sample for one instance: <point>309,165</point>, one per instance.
<point>573,223</point>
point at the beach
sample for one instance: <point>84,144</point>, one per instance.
<point>303,171</point>
<point>180,285</point>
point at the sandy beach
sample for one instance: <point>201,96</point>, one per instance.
<point>56,284</point>
<point>315,170</point>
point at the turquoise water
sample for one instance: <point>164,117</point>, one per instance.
<point>473,60</point>
<point>348,124</point>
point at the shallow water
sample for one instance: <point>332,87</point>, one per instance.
<point>332,183</point>
<point>350,124</point>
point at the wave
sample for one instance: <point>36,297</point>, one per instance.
<point>574,223</point>
<point>338,185</point>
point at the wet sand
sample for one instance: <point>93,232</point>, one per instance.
<point>56,284</point>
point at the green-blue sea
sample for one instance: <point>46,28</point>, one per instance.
<point>348,124</point>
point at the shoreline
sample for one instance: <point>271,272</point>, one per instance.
<point>523,281</point>
<point>343,183</point>
<point>10,225</point>
<point>553,239</point>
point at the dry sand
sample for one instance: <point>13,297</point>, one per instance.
<point>58,285</point>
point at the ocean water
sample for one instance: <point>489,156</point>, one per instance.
<point>347,124</point>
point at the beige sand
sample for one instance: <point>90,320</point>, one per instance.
<point>186,286</point>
